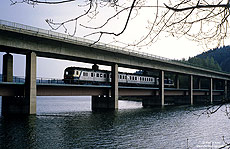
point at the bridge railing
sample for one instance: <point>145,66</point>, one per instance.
<point>39,80</point>
<point>16,79</point>
<point>83,41</point>
<point>87,42</point>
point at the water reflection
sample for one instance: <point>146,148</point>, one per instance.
<point>131,127</point>
<point>18,132</point>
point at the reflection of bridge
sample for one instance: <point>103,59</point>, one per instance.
<point>32,42</point>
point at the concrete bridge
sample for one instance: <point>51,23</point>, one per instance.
<point>33,42</point>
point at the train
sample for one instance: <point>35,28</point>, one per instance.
<point>78,75</point>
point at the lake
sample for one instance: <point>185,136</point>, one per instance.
<point>68,122</point>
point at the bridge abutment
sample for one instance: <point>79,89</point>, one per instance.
<point>26,104</point>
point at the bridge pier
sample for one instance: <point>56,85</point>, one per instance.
<point>177,81</point>
<point>162,87</point>
<point>211,90</point>
<point>30,84</point>
<point>199,83</point>
<point>7,68</point>
<point>190,92</point>
<point>225,89</point>
<point>26,104</point>
<point>110,103</point>
<point>156,99</point>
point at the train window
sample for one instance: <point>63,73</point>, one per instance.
<point>135,78</point>
<point>85,74</point>
<point>104,75</point>
<point>120,76</point>
<point>123,77</point>
<point>92,74</point>
<point>101,75</point>
<point>97,74</point>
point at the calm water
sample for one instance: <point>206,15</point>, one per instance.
<point>63,122</point>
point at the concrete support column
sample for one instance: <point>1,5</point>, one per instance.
<point>214,82</point>
<point>7,68</point>
<point>7,73</point>
<point>211,90</point>
<point>106,102</point>
<point>190,92</point>
<point>23,104</point>
<point>199,83</point>
<point>225,89</point>
<point>30,84</point>
<point>114,85</point>
<point>161,87</point>
<point>177,81</point>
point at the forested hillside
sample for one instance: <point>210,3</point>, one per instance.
<point>217,59</point>
<point>207,62</point>
<point>220,55</point>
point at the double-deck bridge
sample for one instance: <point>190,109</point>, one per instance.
<point>20,97</point>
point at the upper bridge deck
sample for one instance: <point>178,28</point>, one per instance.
<point>18,38</point>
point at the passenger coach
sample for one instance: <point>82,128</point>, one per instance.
<point>77,75</point>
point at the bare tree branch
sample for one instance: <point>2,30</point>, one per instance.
<point>198,20</point>
<point>112,33</point>
<point>197,7</point>
<point>32,2</point>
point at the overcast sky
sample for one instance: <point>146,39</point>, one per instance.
<point>35,16</point>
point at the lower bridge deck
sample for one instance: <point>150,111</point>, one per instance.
<point>43,89</point>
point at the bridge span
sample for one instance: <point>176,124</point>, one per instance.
<point>48,89</point>
<point>33,42</point>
